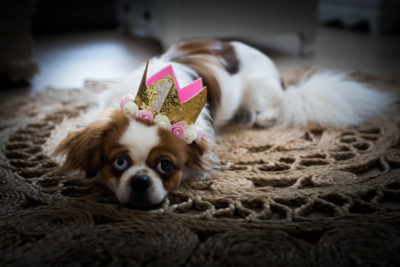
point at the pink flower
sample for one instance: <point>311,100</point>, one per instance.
<point>178,129</point>
<point>124,100</point>
<point>199,135</point>
<point>145,115</point>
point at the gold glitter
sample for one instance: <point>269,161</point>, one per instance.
<point>189,111</point>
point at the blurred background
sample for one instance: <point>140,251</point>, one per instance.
<point>65,42</point>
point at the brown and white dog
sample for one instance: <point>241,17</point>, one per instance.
<point>141,162</point>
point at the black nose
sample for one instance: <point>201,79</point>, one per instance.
<point>140,183</point>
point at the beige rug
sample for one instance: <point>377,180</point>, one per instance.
<point>305,197</point>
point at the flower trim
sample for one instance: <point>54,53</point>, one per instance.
<point>145,115</point>
<point>199,135</point>
<point>130,108</point>
<point>189,133</point>
<point>162,121</point>
<point>179,129</point>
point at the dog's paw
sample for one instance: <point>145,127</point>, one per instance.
<point>245,117</point>
<point>266,119</point>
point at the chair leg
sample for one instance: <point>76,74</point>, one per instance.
<point>306,46</point>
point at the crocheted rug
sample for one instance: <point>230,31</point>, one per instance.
<point>293,197</point>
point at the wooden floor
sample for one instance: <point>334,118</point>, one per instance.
<point>67,60</point>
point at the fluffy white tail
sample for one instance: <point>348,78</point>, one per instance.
<point>332,99</point>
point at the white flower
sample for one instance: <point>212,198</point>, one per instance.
<point>162,121</point>
<point>191,134</point>
<point>130,108</point>
<point>125,100</point>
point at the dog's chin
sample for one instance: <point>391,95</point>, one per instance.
<point>142,206</point>
<point>142,203</point>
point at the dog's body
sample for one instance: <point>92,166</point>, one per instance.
<point>131,155</point>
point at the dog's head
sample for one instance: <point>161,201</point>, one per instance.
<point>137,160</point>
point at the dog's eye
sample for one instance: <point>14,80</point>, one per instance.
<point>121,163</point>
<point>164,167</point>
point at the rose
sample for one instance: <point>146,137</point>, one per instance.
<point>199,133</point>
<point>145,115</point>
<point>130,108</point>
<point>191,134</point>
<point>178,129</point>
<point>162,121</point>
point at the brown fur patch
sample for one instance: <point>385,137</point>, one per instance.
<point>221,49</point>
<point>199,55</point>
<point>195,152</point>
<point>174,149</point>
<point>180,153</point>
<point>296,76</point>
<point>86,148</point>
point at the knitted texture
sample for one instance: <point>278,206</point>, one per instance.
<point>293,197</point>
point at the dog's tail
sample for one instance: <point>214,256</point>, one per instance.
<point>332,99</point>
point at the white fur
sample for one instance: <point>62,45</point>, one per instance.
<point>331,99</point>
<point>155,194</point>
<point>145,138</point>
<point>324,99</point>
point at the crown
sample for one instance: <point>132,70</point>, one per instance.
<point>160,99</point>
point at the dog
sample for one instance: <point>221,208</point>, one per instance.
<point>141,162</point>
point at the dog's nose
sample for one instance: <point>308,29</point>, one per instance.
<point>140,183</point>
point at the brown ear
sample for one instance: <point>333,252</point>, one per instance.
<point>84,149</point>
<point>195,153</point>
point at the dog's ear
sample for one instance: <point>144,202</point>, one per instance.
<point>83,149</point>
<point>195,152</point>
